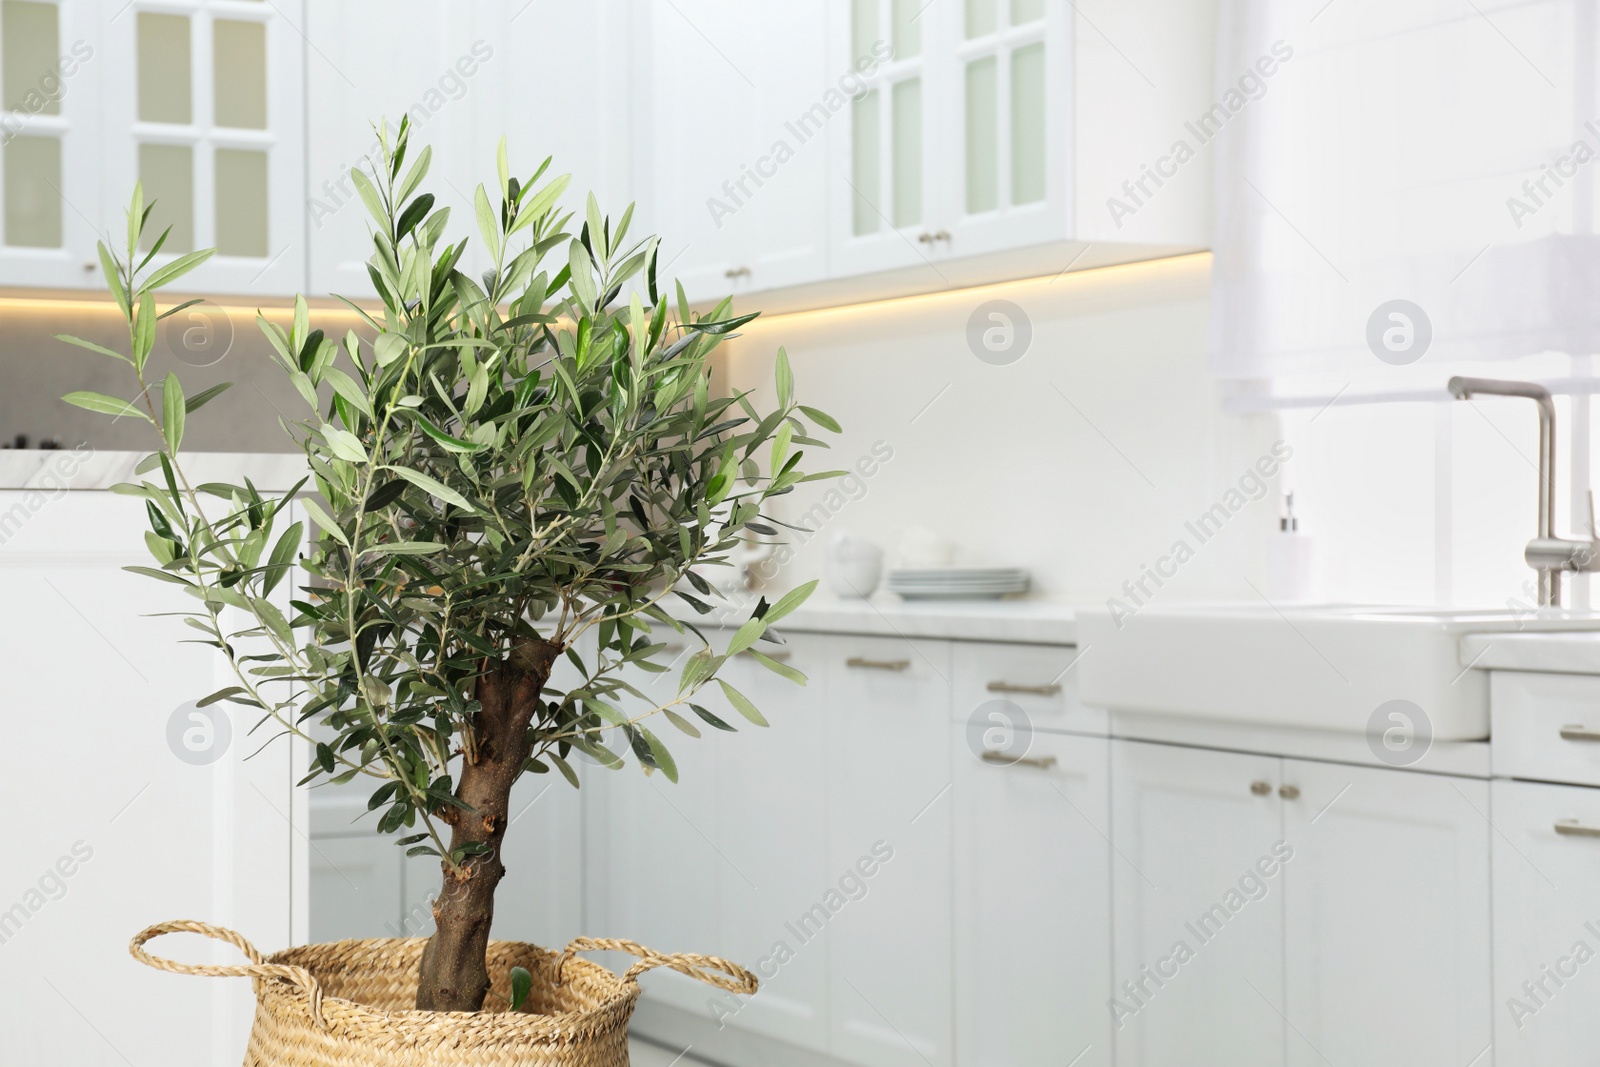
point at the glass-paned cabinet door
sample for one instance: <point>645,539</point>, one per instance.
<point>882,136</point>
<point>205,106</point>
<point>1012,95</point>
<point>49,120</point>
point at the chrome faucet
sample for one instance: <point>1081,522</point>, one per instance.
<point>1547,554</point>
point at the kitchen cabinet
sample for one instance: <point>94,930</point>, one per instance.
<point>659,856</point>
<point>1032,902</point>
<point>732,165</point>
<point>994,125</point>
<point>772,833</point>
<point>418,59</point>
<point>1546,929</point>
<point>1198,917</point>
<point>463,74</point>
<point>1386,916</point>
<point>51,154</point>
<point>889,777</point>
<point>141,807</point>
<point>203,101</point>
<point>1316,899</point>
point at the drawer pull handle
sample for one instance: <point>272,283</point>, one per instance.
<point>1035,690</point>
<point>1044,763</point>
<point>1260,788</point>
<point>1574,828</point>
<point>877,664</point>
<point>1579,732</point>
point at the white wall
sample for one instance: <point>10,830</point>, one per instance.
<point>1084,459</point>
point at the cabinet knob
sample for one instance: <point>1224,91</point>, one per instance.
<point>89,266</point>
<point>1260,788</point>
<point>942,235</point>
<point>925,238</point>
<point>1289,792</point>
<point>736,272</point>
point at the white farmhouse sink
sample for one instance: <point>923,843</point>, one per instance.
<point>1320,667</point>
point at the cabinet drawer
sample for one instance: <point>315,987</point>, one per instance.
<point>1545,726</point>
<point>1036,678</point>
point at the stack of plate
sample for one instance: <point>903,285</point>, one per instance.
<point>958,583</point>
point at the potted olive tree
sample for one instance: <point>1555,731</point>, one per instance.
<point>498,467</point>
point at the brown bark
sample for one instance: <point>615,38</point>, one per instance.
<point>454,975</point>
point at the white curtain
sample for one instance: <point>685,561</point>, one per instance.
<point>1441,152</point>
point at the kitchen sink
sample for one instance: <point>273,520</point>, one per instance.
<point>1326,667</point>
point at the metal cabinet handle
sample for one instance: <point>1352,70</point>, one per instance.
<point>878,664</point>
<point>1044,763</point>
<point>1289,792</point>
<point>1579,732</point>
<point>1035,690</point>
<point>1260,788</point>
<point>736,272</point>
<point>942,235</point>
<point>925,238</point>
<point>1574,828</point>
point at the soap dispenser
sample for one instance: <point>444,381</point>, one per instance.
<point>1291,574</point>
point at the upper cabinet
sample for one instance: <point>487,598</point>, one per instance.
<point>203,105</point>
<point>465,75</point>
<point>957,142</point>
<point>50,147</point>
<point>731,158</point>
<point>792,147</point>
<point>987,126</point>
<point>201,100</point>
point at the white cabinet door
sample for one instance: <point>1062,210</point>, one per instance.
<point>1198,899</point>
<point>204,104</point>
<point>358,888</point>
<point>890,820</point>
<point>53,61</point>
<point>659,861</point>
<point>772,834</point>
<point>733,167</point>
<point>414,58</point>
<point>140,807</point>
<point>1005,177</point>
<point>1033,904</point>
<point>1546,925</point>
<point>699,134</point>
<point>1387,925</point>
<point>885,143</point>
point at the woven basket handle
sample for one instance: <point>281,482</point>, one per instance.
<point>711,970</point>
<point>257,969</point>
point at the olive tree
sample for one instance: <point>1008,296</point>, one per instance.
<point>498,467</point>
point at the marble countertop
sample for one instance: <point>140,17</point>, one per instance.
<point>84,468</point>
<point>1555,652</point>
<point>1039,622</point>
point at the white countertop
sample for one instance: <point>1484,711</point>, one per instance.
<point>84,468</point>
<point>1038,622</point>
<point>1559,653</point>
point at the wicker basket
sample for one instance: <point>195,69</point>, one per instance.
<point>348,1003</point>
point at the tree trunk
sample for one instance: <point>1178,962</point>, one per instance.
<point>454,975</point>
